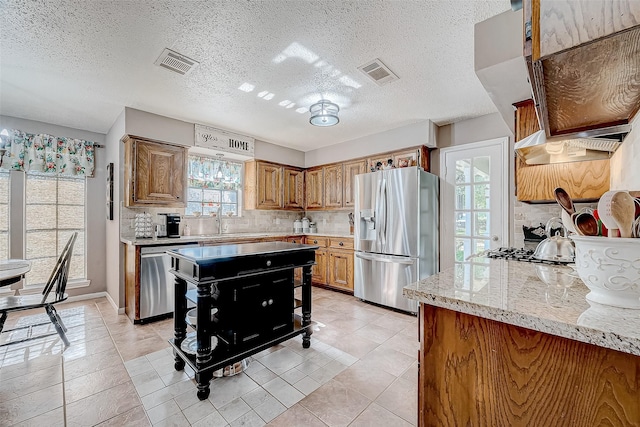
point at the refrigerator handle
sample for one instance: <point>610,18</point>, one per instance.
<point>389,259</point>
<point>378,214</point>
<point>382,202</point>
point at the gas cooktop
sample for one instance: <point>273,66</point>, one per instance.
<point>518,255</point>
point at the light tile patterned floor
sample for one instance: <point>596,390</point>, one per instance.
<point>361,370</point>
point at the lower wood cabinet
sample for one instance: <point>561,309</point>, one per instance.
<point>319,271</point>
<point>341,269</point>
<point>334,262</point>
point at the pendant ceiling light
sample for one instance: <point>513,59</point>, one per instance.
<point>324,113</point>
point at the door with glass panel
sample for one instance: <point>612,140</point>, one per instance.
<point>474,207</point>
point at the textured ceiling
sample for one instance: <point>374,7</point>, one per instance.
<point>78,63</point>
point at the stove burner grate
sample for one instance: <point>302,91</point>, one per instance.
<point>516,254</point>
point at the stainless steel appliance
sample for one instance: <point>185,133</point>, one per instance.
<point>396,234</point>
<point>171,224</point>
<point>156,282</point>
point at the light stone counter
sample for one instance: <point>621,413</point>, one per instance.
<point>218,238</point>
<point>511,292</point>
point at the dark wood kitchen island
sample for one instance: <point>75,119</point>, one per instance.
<point>252,287</point>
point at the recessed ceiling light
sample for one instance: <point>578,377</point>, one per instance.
<point>263,93</point>
<point>301,110</point>
<point>268,97</point>
<point>291,105</point>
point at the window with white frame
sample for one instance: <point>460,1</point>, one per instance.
<point>55,208</point>
<point>214,185</point>
<point>4,214</point>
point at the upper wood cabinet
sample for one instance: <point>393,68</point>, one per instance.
<point>584,181</point>
<point>269,185</point>
<point>416,156</point>
<point>333,186</point>
<point>314,188</point>
<point>155,173</point>
<point>293,188</point>
<point>272,186</point>
<point>584,63</point>
<point>351,169</point>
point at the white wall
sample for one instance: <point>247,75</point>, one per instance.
<point>95,202</point>
<point>421,133</point>
<point>625,161</point>
<point>114,249</point>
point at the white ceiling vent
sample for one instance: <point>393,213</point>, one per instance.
<point>378,72</point>
<point>176,62</point>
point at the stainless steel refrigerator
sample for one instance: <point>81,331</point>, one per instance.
<point>396,234</point>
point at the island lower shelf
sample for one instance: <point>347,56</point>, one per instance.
<point>224,355</point>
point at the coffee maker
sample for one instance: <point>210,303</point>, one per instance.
<point>172,224</point>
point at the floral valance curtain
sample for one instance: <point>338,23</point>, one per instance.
<point>207,172</point>
<point>48,154</point>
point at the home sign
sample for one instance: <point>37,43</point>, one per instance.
<point>217,139</point>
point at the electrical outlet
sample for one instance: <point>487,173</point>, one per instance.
<point>225,227</point>
<point>133,223</point>
<point>277,221</point>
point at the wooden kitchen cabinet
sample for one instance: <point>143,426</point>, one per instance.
<point>272,186</point>
<point>415,156</point>
<point>334,262</point>
<point>583,181</point>
<point>351,169</point>
<point>155,173</point>
<point>293,188</point>
<point>583,59</point>
<point>319,271</point>
<point>314,188</point>
<point>333,186</point>
<point>269,183</point>
<point>341,263</point>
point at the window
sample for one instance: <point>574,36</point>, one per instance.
<point>4,214</point>
<point>214,185</point>
<point>55,208</point>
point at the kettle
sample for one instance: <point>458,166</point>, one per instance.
<point>555,248</point>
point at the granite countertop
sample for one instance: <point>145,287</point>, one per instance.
<point>511,292</point>
<point>217,238</point>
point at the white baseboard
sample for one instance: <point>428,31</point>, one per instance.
<point>97,295</point>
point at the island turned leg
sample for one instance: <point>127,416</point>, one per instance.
<point>179,324</point>
<point>306,306</point>
<point>203,337</point>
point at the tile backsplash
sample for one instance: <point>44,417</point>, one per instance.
<point>251,221</point>
<point>531,215</point>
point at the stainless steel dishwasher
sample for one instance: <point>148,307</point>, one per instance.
<point>156,282</point>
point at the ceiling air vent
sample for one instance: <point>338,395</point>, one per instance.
<point>176,62</point>
<point>378,72</point>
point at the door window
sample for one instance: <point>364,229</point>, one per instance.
<point>474,209</point>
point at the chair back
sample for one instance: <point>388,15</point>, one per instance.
<point>60,272</point>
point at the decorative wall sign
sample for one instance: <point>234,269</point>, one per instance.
<point>217,139</point>
<point>110,191</point>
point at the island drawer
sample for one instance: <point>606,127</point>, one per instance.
<point>320,241</point>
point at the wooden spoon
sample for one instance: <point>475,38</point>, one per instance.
<point>564,200</point>
<point>623,210</point>
<point>586,224</point>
